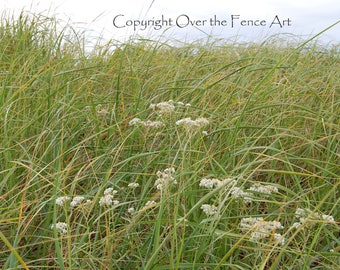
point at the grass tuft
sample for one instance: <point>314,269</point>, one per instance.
<point>231,152</point>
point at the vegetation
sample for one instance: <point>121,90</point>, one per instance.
<point>144,155</point>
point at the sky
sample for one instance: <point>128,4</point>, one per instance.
<point>241,20</point>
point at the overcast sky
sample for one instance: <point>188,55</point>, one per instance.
<point>247,20</point>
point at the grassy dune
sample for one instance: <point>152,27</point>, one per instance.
<point>231,152</point>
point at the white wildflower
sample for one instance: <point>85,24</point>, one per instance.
<point>158,185</point>
<point>107,199</point>
<point>296,225</point>
<point>192,125</point>
<point>258,227</point>
<point>306,215</point>
<point>208,183</point>
<point>274,225</point>
<point>304,220</point>
<point>163,107</point>
<point>189,123</point>
<point>279,239</point>
<point>62,200</point>
<point>133,185</point>
<point>216,183</point>
<point>237,192</point>
<point>228,182</point>
<point>148,123</point>
<point>135,121</point>
<point>167,107</point>
<point>155,124</point>
<point>247,224</point>
<point>201,122</point>
<point>88,202</point>
<point>165,178</point>
<point>268,189</point>
<point>110,191</point>
<point>205,133</point>
<point>131,210</point>
<point>149,203</point>
<point>77,200</point>
<point>327,218</point>
<point>61,227</point>
<point>115,202</point>
<point>209,210</point>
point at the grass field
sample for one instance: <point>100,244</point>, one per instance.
<point>143,155</point>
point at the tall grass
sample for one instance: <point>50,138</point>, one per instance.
<point>273,113</point>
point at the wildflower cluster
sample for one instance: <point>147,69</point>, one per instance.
<point>235,191</point>
<point>230,186</point>
<point>60,201</point>
<point>192,125</point>
<point>209,210</point>
<point>216,183</point>
<point>163,107</point>
<point>165,178</point>
<point>131,210</point>
<point>166,107</point>
<point>268,189</point>
<point>61,227</point>
<point>148,123</point>
<point>79,200</point>
<point>257,227</point>
<point>261,229</point>
<point>257,188</point>
<point>107,200</point>
<point>306,216</point>
<point>76,201</point>
<point>133,185</point>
